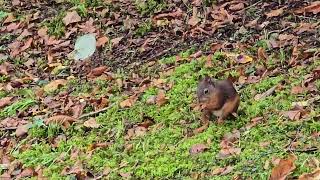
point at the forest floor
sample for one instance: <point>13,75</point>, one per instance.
<point>130,110</point>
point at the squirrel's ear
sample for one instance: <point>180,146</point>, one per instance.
<point>208,79</point>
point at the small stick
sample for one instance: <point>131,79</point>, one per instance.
<point>96,112</point>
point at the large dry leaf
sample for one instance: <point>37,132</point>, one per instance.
<point>128,102</point>
<point>91,123</point>
<point>239,58</point>
<point>198,148</point>
<point>71,17</point>
<point>26,45</point>
<point>177,13</point>
<point>102,41</point>
<point>315,175</point>
<point>161,98</point>
<point>274,13</point>
<point>313,8</point>
<point>98,71</point>
<point>63,120</point>
<point>54,85</point>
<point>5,101</point>
<point>297,90</point>
<point>292,115</point>
<point>222,171</point>
<point>283,169</point>
<point>22,130</point>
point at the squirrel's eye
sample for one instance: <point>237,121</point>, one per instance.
<point>205,91</point>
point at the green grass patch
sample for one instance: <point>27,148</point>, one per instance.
<point>163,152</point>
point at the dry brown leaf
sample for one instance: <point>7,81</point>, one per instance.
<point>161,98</point>
<point>116,41</point>
<point>194,20</point>
<point>98,71</point>
<point>177,13</point>
<point>147,123</point>
<point>297,90</point>
<point>5,101</point>
<point>128,102</point>
<point>91,123</point>
<point>198,148</point>
<point>313,8</point>
<point>236,6</point>
<point>292,115</point>
<point>294,56</point>
<point>151,100</point>
<point>283,169</point>
<point>274,13</point>
<point>26,45</point>
<point>262,54</point>
<point>71,17</point>
<point>63,120</point>
<point>227,152</point>
<point>54,85</point>
<point>22,130</point>
<point>102,41</point>
<point>315,175</point>
<point>222,171</point>
<point>28,172</point>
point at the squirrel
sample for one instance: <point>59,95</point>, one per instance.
<point>218,97</point>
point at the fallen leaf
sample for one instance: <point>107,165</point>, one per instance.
<point>198,148</point>
<point>128,102</point>
<point>63,120</point>
<point>222,171</point>
<point>262,54</point>
<point>315,175</point>
<point>91,123</point>
<point>161,98</point>
<point>125,175</point>
<point>313,8</point>
<point>227,152</point>
<point>274,13</point>
<point>147,123</point>
<point>102,41</point>
<point>292,115</point>
<point>194,20</point>
<point>28,172</point>
<point>5,101</point>
<point>54,85</point>
<point>106,171</point>
<point>239,58</point>
<point>98,71</point>
<point>71,17</point>
<point>236,6</point>
<point>297,90</point>
<point>151,100</point>
<point>283,169</point>
<point>116,41</point>
<point>99,145</point>
<point>26,45</point>
<point>177,13</point>
<point>294,56</point>
<point>22,130</point>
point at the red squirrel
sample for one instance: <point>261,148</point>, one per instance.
<point>218,97</point>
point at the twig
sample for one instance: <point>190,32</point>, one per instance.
<point>96,112</point>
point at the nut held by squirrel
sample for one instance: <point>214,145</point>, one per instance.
<point>218,97</point>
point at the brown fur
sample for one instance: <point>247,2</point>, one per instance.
<point>217,97</point>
